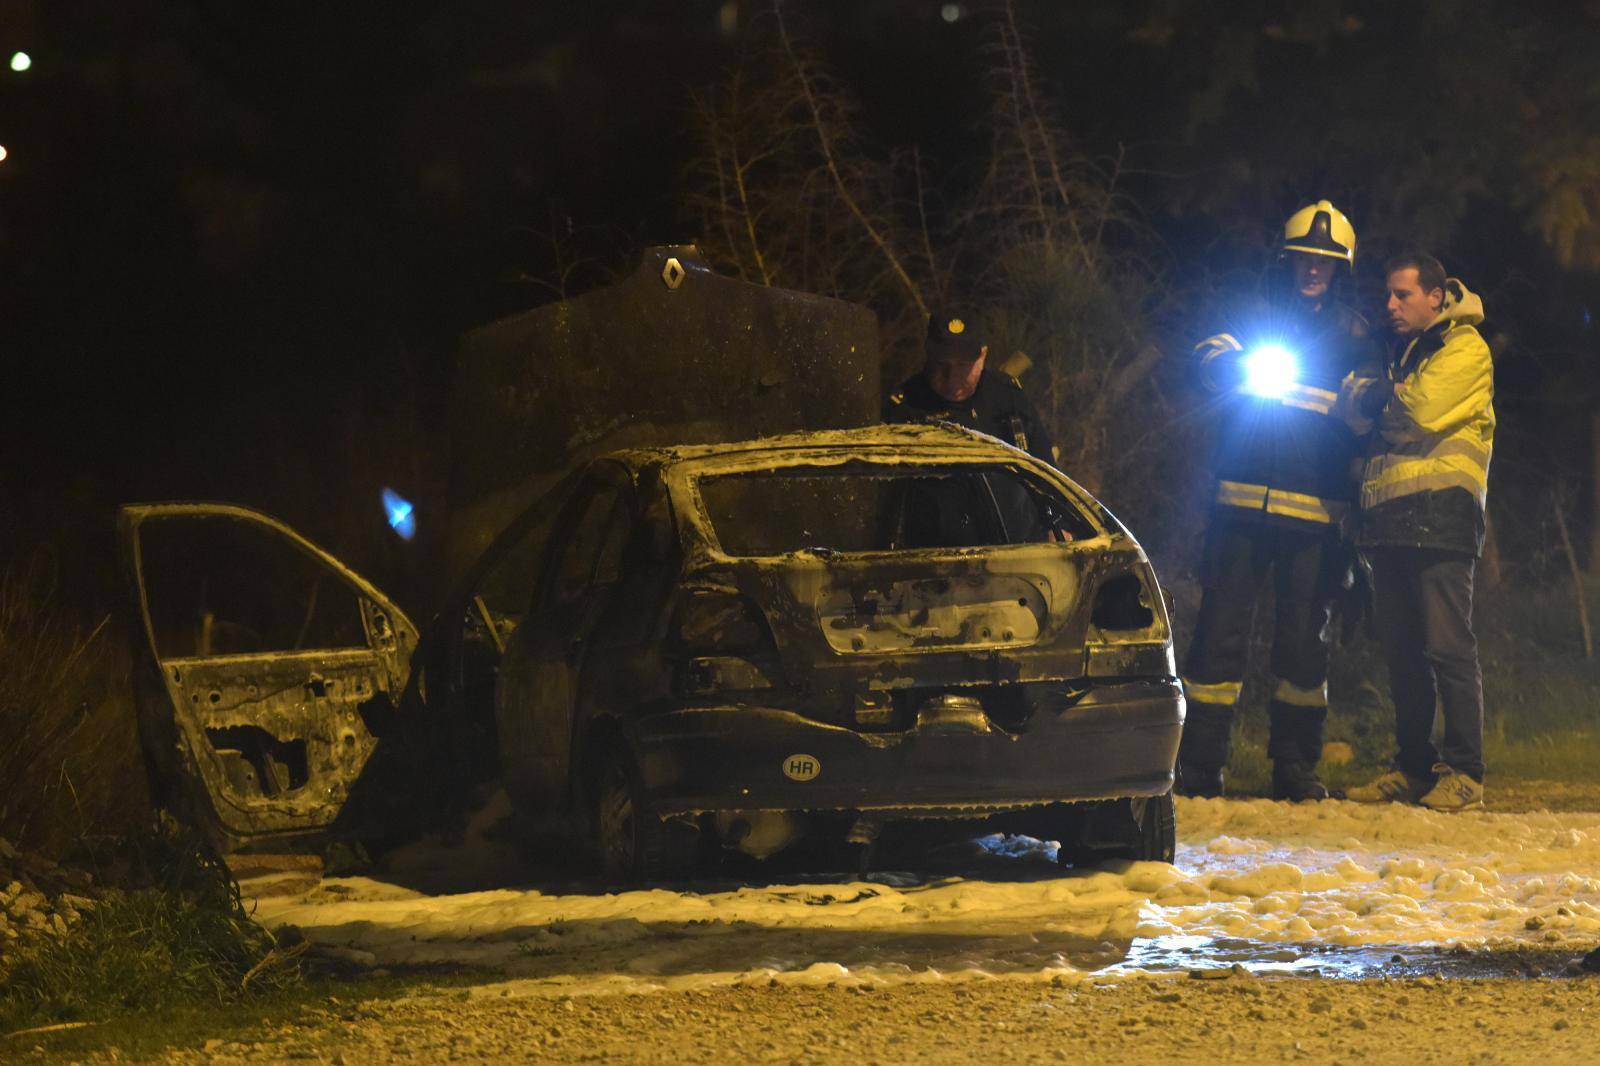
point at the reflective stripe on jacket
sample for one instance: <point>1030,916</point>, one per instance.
<point>1435,436</point>
<point>1286,459</point>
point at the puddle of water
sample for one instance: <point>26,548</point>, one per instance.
<point>1168,954</point>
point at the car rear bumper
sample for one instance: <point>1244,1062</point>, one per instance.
<point>1120,739</point>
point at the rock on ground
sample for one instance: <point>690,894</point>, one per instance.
<point>38,897</point>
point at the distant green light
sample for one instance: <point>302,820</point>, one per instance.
<point>21,61</point>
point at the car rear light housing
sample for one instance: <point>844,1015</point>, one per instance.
<point>711,620</point>
<point>1127,636</point>
<point>724,643</point>
<point>1122,604</point>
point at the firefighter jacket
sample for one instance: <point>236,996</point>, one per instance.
<point>1425,482</point>
<point>998,407</point>
<point>1287,459</point>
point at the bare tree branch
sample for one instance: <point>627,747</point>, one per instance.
<point>804,76</point>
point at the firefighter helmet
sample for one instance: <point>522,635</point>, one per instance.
<point>1320,229</point>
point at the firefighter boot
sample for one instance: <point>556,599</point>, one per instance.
<point>1296,781</point>
<point>1295,746</point>
<point>1203,751</point>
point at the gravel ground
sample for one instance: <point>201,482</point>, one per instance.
<point>1182,1020</point>
<point>1526,1005</point>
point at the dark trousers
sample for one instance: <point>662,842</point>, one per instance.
<point>1425,622</point>
<point>1307,567</point>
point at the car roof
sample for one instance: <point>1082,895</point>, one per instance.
<point>929,442</point>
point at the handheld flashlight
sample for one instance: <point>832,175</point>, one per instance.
<point>1270,371</point>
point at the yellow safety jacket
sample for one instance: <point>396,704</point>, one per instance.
<point>1425,481</point>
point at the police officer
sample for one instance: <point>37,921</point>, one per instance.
<point>1285,479</point>
<point>956,385</point>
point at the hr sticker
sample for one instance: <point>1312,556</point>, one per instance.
<point>801,767</point>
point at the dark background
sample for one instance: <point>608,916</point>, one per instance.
<point>240,239</point>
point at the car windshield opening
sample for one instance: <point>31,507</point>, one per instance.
<point>871,508</point>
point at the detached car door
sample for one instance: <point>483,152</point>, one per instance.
<point>266,669</point>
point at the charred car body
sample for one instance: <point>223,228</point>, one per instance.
<point>714,642</point>
<point>682,647</point>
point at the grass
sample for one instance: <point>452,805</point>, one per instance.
<point>70,761</point>
<point>174,934</point>
<point>1566,757</point>
<point>138,951</point>
<point>269,1014</point>
<point>1542,717</point>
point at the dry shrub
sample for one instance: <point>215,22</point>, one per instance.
<point>69,752</point>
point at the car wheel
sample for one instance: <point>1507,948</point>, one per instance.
<point>633,843</point>
<point>1158,828</point>
<point>1143,828</point>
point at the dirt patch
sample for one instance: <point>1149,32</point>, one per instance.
<point>1521,794</point>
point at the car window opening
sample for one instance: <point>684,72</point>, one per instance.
<point>223,587</point>
<point>865,508</point>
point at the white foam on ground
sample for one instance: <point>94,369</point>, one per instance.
<point>1306,878</point>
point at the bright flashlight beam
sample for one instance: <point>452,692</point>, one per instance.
<point>21,61</point>
<point>402,518</point>
<point>1270,371</point>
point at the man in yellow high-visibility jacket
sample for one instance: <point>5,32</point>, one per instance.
<point>1422,520</point>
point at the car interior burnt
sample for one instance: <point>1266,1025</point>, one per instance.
<point>860,507</point>
<point>257,762</point>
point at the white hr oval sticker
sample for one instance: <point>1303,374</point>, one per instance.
<point>801,767</point>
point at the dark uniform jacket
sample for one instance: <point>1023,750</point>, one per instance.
<point>1288,460</point>
<point>998,407</point>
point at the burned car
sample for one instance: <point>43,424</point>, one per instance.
<point>719,645</point>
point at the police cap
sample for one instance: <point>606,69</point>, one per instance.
<point>953,337</point>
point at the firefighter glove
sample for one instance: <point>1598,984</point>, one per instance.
<point>1374,398</point>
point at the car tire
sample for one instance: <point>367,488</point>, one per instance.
<point>633,843</point>
<point>1158,829</point>
<point>1143,829</point>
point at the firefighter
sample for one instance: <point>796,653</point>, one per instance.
<point>1422,523</point>
<point>956,385</point>
<point>1284,469</point>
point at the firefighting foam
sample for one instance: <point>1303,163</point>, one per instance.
<point>1335,886</point>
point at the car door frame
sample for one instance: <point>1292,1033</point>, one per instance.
<point>551,763</point>
<point>186,771</point>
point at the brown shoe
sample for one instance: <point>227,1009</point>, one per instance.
<point>1396,786</point>
<point>1454,791</point>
